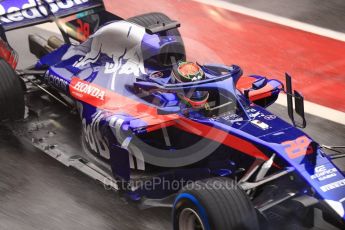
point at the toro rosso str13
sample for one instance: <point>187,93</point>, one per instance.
<point>146,114</point>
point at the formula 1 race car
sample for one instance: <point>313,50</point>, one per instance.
<point>162,131</point>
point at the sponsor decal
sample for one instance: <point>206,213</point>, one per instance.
<point>260,124</point>
<point>99,144</point>
<point>255,114</point>
<point>90,90</point>
<point>228,117</point>
<point>56,82</point>
<point>35,9</point>
<point>125,50</point>
<point>136,158</point>
<point>334,185</point>
<point>94,137</point>
<point>270,117</point>
<point>299,147</point>
<point>322,173</point>
<point>87,92</point>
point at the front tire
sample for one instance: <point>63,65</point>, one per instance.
<point>214,204</point>
<point>12,104</point>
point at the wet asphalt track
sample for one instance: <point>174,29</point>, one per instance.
<point>327,14</point>
<point>37,192</point>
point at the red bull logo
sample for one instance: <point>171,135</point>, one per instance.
<point>120,41</point>
<point>33,9</point>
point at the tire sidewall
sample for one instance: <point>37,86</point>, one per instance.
<point>219,207</point>
<point>187,200</point>
<point>12,105</point>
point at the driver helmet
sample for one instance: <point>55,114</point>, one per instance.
<point>190,72</point>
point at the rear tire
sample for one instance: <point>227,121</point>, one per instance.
<point>214,204</point>
<point>12,104</point>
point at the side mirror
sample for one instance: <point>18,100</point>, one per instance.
<point>256,85</point>
<point>259,83</point>
<point>299,103</point>
<point>263,91</point>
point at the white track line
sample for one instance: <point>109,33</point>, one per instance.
<point>276,19</point>
<point>310,107</point>
<point>317,110</point>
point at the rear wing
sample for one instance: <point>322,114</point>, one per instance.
<point>76,19</point>
<point>23,13</point>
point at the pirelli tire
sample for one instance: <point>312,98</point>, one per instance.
<point>214,204</point>
<point>12,106</point>
<point>150,19</point>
